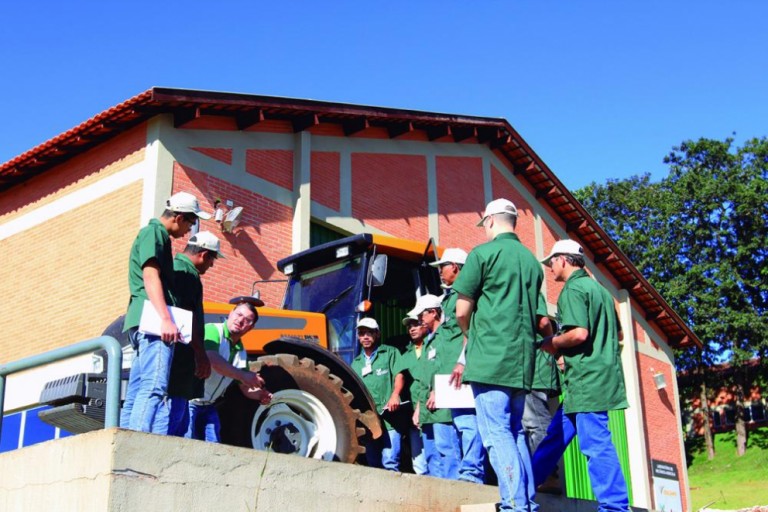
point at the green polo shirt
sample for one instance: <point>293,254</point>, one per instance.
<point>379,378</point>
<point>449,340</point>
<point>152,242</point>
<point>189,294</point>
<point>423,372</point>
<point>504,279</point>
<point>593,378</point>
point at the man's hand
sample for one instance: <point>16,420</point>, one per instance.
<point>415,417</point>
<point>456,375</point>
<point>393,404</point>
<point>260,395</point>
<point>431,401</point>
<point>251,379</point>
<point>548,346</point>
<point>202,365</point>
<point>169,333</point>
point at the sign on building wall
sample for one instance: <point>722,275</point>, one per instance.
<point>666,486</point>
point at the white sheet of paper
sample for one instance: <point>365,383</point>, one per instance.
<point>448,397</point>
<point>150,321</point>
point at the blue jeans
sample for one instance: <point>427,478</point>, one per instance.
<point>595,443</point>
<point>384,452</point>
<point>173,416</point>
<point>472,464</point>
<point>441,449</point>
<point>418,458</point>
<point>203,423</point>
<point>536,418</point>
<point>499,420</point>
<point>147,384</point>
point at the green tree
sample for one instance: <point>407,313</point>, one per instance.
<point>700,236</point>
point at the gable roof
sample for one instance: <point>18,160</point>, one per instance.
<point>248,110</point>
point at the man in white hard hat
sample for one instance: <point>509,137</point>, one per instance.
<point>449,342</point>
<point>589,343</point>
<point>500,308</point>
<point>417,331</point>
<point>441,441</point>
<point>150,279</point>
<point>379,367</point>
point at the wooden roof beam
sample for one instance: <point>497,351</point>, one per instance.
<point>353,126</point>
<point>245,120</point>
<point>397,129</point>
<point>184,116</point>
<point>487,134</point>
<point>437,132</point>
<point>301,123</point>
<point>461,133</point>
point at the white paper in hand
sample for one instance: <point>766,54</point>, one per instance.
<point>448,397</point>
<point>150,321</point>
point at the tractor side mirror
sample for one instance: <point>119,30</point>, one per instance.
<point>378,270</point>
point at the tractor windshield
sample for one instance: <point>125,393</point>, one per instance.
<point>334,290</point>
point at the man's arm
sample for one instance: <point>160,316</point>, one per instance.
<point>154,287</point>
<point>394,400</point>
<point>202,364</point>
<point>464,308</point>
<point>571,338</point>
<point>223,367</point>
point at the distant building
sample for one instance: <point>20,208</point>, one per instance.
<point>303,171</point>
<point>722,407</point>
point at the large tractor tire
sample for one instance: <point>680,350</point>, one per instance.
<point>310,414</point>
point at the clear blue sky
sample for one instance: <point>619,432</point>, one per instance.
<point>598,89</point>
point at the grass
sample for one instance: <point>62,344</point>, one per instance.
<point>730,481</point>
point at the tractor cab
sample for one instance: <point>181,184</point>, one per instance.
<point>361,275</point>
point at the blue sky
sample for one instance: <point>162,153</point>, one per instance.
<point>599,89</point>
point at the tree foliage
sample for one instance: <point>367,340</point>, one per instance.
<point>700,236</point>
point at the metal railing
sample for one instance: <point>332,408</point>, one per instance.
<point>114,364</point>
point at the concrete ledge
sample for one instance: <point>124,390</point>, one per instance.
<point>120,470</point>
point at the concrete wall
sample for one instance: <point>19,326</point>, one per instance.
<point>117,470</point>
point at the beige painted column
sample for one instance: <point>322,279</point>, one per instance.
<point>158,168</point>
<point>301,191</point>
<point>633,415</point>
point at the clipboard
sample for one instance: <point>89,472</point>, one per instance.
<point>150,321</point>
<point>448,397</point>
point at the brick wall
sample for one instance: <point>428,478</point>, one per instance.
<point>273,165</point>
<point>389,192</point>
<point>262,237</point>
<point>662,432</point>
<point>324,169</point>
<point>460,201</point>
<point>67,279</point>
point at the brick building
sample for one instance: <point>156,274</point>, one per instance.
<point>70,208</point>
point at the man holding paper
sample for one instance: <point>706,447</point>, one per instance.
<point>150,278</point>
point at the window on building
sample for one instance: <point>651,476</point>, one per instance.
<point>716,423</point>
<point>757,411</point>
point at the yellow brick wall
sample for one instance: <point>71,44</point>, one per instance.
<point>65,280</point>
